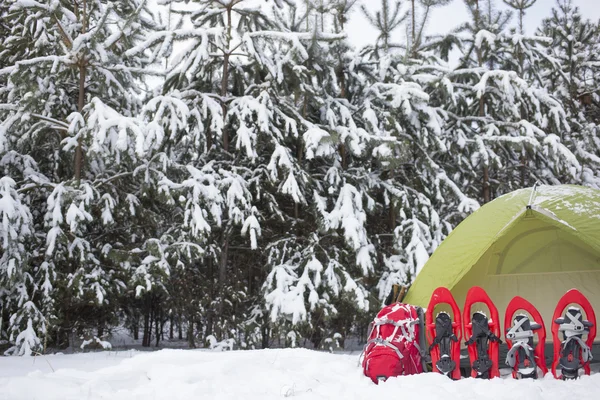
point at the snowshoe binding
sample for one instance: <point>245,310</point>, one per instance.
<point>574,353</point>
<point>481,337</point>
<point>483,333</point>
<point>444,338</point>
<point>444,333</point>
<point>522,357</point>
<point>571,352</point>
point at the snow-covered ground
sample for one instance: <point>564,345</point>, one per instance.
<point>248,375</point>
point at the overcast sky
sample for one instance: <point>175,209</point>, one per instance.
<point>446,18</point>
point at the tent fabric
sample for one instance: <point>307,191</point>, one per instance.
<point>535,243</point>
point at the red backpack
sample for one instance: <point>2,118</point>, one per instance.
<point>393,345</point>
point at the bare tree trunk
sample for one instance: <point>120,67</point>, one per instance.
<point>486,185</point>
<point>150,325</point>
<point>486,171</point>
<point>344,156</point>
<point>210,320</point>
<point>392,216</point>
<point>225,78</point>
<point>222,278</point>
<point>146,337</point>
<point>300,147</point>
<point>179,327</point>
<point>266,335</point>
<point>209,142</point>
<point>190,334</point>
<point>81,100</point>
<point>414,34</point>
<point>523,113</point>
<point>157,324</point>
<point>171,322</point>
<point>135,327</point>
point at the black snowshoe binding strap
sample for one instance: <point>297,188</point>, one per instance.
<point>573,327</point>
<point>481,336</point>
<point>521,334</point>
<point>443,337</point>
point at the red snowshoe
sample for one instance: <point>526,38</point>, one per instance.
<point>572,353</point>
<point>444,334</point>
<point>483,334</point>
<point>520,331</point>
<point>393,348</point>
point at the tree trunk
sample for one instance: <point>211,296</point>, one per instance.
<point>209,323</point>
<point>150,326</point>
<point>222,278</point>
<point>225,79</point>
<point>486,171</point>
<point>344,155</point>
<point>392,216</point>
<point>190,334</point>
<point>80,104</point>
<point>179,327</point>
<point>486,185</point>
<point>414,34</point>
<point>135,328</point>
<point>81,100</point>
<point>209,139</point>
<point>157,325</point>
<point>146,337</point>
<point>300,152</point>
<point>266,335</point>
<point>171,321</point>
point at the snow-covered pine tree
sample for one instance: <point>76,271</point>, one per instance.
<point>420,11</point>
<point>74,144</point>
<point>526,55</point>
<point>416,201</point>
<point>234,141</point>
<point>386,20</point>
<point>484,104</point>
<point>22,321</point>
<point>571,74</point>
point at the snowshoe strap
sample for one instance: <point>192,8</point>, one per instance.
<point>488,334</point>
<point>481,329</point>
<point>511,358</point>
<point>586,353</point>
<point>517,333</point>
<point>575,327</point>
<point>438,339</point>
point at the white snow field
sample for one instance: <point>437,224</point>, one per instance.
<point>249,375</point>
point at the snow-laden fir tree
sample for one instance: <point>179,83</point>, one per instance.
<point>416,200</point>
<point>570,73</point>
<point>277,182</point>
<point>493,115</point>
<point>74,139</point>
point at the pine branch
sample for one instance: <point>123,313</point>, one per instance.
<point>67,39</point>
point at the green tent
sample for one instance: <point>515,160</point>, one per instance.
<point>536,243</point>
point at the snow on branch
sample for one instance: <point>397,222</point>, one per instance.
<point>165,40</point>
<point>484,36</point>
<point>33,61</point>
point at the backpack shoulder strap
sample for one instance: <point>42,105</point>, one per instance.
<point>425,357</point>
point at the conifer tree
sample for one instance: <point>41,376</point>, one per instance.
<point>571,74</point>
<point>73,140</point>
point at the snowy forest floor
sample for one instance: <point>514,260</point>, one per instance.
<point>248,375</point>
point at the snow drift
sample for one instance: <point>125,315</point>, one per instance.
<point>248,375</point>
